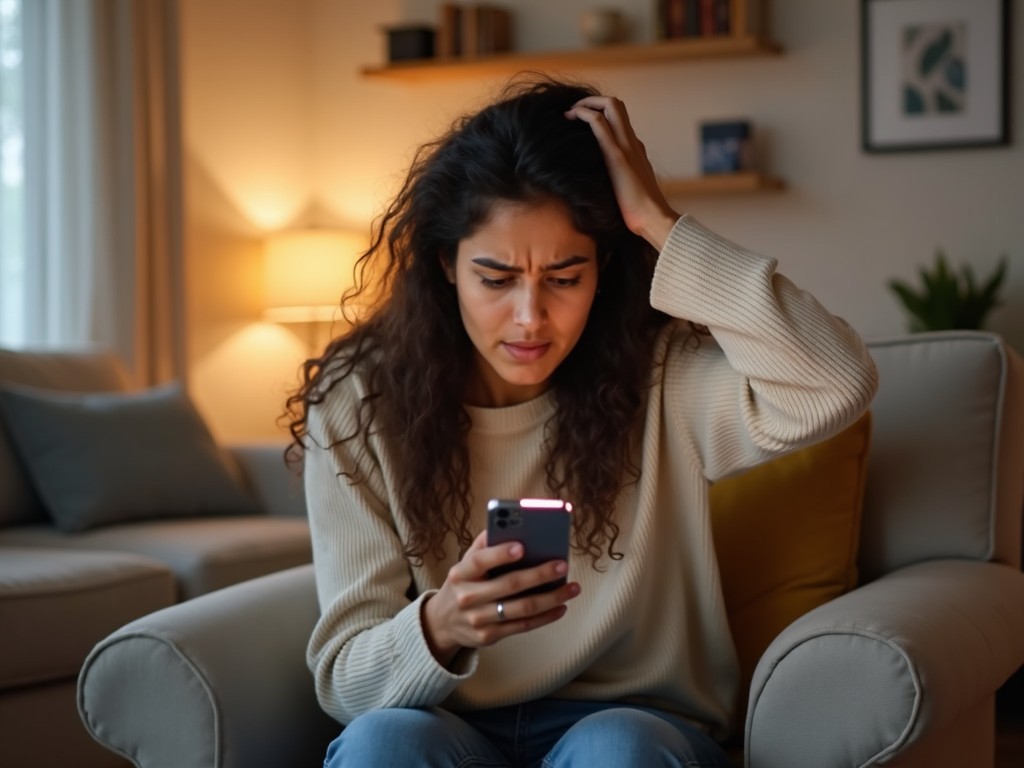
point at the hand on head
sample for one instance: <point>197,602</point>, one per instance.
<point>643,205</point>
<point>464,612</point>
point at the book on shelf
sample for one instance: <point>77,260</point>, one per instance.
<point>449,31</point>
<point>473,30</point>
<point>721,13</point>
<point>708,18</point>
<point>748,17</point>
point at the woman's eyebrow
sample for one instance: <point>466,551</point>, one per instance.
<point>571,261</point>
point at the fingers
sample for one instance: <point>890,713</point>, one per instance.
<point>471,581</point>
<point>610,110</point>
<point>611,146</point>
<point>519,615</point>
<point>476,593</point>
<point>464,611</point>
<point>645,210</point>
<point>475,586</point>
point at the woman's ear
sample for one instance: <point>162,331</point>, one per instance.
<point>448,265</point>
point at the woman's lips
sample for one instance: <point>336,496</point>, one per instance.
<point>526,351</point>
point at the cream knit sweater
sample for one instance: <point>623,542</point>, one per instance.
<point>778,373</point>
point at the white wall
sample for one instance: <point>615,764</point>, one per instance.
<point>275,105</point>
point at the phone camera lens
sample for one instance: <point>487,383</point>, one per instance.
<point>502,523</point>
<point>502,513</point>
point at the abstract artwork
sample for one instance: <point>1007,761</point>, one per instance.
<point>934,74</point>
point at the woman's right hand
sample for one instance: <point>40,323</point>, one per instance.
<point>464,612</point>
<point>643,205</point>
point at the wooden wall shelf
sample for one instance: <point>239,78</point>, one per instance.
<point>720,184</point>
<point>604,56</point>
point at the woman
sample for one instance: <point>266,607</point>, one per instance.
<point>549,326</point>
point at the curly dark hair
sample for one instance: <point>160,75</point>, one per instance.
<point>416,357</point>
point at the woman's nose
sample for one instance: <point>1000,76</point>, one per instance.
<point>529,309</point>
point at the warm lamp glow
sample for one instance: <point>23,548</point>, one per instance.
<point>307,271</point>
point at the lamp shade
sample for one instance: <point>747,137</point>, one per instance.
<point>306,272</point>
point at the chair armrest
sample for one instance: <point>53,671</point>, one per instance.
<point>219,681</point>
<point>886,665</point>
<point>278,488</point>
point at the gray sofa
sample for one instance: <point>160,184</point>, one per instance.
<point>63,590</point>
<point>901,671</point>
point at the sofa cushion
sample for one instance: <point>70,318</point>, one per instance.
<point>56,604</point>
<point>103,458</point>
<point>204,553</point>
<point>786,535</point>
<point>81,371</point>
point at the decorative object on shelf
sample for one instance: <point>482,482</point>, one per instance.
<point>410,42</point>
<point>949,299</point>
<point>473,30</point>
<point>710,18</point>
<point>934,74</point>
<point>726,146</point>
<point>601,26</point>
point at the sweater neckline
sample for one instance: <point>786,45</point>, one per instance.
<point>513,417</point>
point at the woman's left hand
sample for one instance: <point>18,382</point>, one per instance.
<point>643,205</point>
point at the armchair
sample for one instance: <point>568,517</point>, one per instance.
<point>901,671</point>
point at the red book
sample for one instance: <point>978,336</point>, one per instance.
<point>707,17</point>
<point>675,22</point>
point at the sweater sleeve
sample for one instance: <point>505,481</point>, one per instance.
<point>779,370</point>
<point>368,650</point>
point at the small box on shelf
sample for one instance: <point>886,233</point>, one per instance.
<point>410,42</point>
<point>726,146</point>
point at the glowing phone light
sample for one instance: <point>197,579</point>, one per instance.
<point>545,504</point>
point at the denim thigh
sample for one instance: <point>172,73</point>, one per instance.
<point>412,738</point>
<point>548,733</point>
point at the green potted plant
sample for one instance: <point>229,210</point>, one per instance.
<point>949,299</point>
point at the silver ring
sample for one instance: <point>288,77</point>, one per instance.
<point>501,611</point>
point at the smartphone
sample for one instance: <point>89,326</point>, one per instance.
<point>541,525</point>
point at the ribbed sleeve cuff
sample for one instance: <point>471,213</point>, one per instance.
<point>420,677</point>
<point>698,272</point>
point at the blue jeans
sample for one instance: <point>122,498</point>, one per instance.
<point>547,733</point>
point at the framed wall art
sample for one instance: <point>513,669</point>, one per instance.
<point>934,74</point>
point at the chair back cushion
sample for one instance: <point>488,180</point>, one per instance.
<point>946,467</point>
<point>78,371</point>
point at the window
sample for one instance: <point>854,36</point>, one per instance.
<point>12,177</point>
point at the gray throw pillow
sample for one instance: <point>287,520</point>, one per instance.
<point>104,458</point>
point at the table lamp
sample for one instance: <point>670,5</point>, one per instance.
<point>306,271</point>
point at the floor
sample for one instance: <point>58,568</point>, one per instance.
<point>1010,724</point>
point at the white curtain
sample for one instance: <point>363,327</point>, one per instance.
<point>103,261</point>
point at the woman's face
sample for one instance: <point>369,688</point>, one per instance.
<point>525,280</point>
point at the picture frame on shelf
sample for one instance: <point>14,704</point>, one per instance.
<point>934,75</point>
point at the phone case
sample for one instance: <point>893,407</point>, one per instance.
<point>541,525</point>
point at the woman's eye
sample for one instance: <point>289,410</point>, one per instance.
<point>565,282</point>
<point>492,282</point>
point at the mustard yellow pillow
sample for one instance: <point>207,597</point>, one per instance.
<point>786,534</point>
